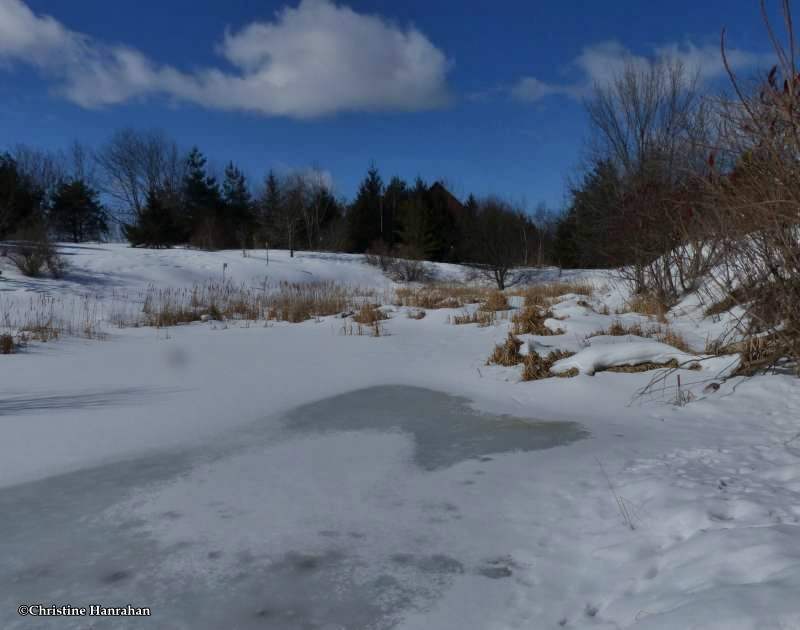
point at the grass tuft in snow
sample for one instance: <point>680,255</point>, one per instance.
<point>495,301</point>
<point>369,314</point>
<point>506,353</point>
<point>435,296</point>
<point>8,345</point>
<point>663,334</point>
<point>482,318</point>
<point>536,367</point>
<point>647,304</point>
<point>544,294</point>
<point>530,321</point>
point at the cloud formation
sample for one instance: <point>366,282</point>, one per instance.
<point>600,63</point>
<point>315,59</point>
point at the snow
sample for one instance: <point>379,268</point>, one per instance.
<point>242,475</point>
<point>609,354</point>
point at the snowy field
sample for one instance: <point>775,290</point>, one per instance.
<point>243,475</point>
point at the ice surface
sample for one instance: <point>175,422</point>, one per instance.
<point>307,525</point>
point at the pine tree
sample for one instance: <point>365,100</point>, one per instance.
<point>202,202</point>
<point>394,197</point>
<point>20,200</point>
<point>238,221</point>
<point>76,213</point>
<point>157,224</point>
<point>364,218</point>
<point>269,205</point>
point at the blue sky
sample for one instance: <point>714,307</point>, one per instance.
<point>484,95</point>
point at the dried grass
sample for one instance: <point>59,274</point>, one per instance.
<point>368,314</point>
<point>647,304</point>
<point>663,334</point>
<point>506,353</point>
<point>536,367</point>
<point>495,301</point>
<point>8,345</point>
<point>530,320</point>
<point>435,296</point>
<point>479,317</point>
<point>544,294</point>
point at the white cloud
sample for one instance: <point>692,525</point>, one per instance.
<point>315,59</point>
<point>600,63</point>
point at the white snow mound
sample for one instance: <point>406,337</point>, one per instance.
<point>605,355</point>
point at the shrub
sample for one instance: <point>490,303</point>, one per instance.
<point>32,252</point>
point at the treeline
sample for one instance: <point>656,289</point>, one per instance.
<point>158,196</point>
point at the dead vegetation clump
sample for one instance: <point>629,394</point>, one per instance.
<point>544,294</point>
<point>640,367</point>
<point>435,296</point>
<point>289,302</point>
<point>495,301</point>
<point>536,367</point>
<point>507,353</point>
<point>530,320</point>
<point>369,314</point>
<point>8,345</point>
<point>647,304</point>
<point>482,318</point>
<point>663,334</point>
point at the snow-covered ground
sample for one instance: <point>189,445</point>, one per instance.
<point>291,476</point>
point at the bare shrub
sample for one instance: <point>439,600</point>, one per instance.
<point>753,205</point>
<point>32,253</point>
<point>379,255</point>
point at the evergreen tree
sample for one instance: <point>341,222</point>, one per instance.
<point>417,231</point>
<point>364,218</point>
<point>395,196</point>
<point>20,200</point>
<point>157,224</point>
<point>269,206</point>
<point>238,221</point>
<point>76,213</point>
<point>202,202</point>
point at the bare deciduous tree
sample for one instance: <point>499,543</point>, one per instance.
<point>135,162</point>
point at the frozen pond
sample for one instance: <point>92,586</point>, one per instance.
<point>345,513</point>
